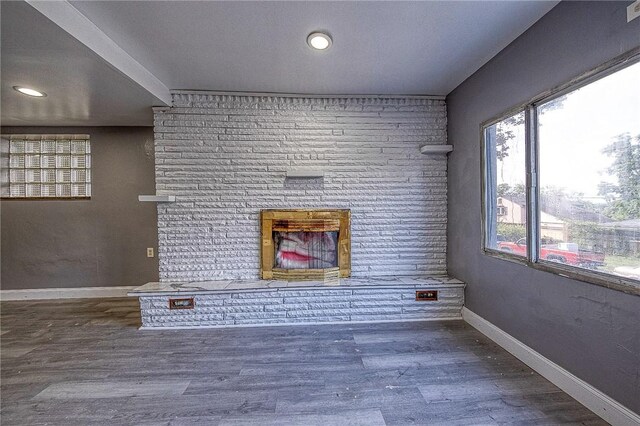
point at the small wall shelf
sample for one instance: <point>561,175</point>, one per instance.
<point>304,174</point>
<point>436,149</point>
<point>157,198</point>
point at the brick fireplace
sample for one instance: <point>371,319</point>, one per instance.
<point>227,157</point>
<point>371,212</point>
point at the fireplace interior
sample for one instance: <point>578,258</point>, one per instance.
<point>305,244</point>
<point>306,250</point>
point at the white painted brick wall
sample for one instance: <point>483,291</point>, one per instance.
<point>225,159</point>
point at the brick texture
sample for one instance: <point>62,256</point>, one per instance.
<point>220,309</point>
<point>225,158</point>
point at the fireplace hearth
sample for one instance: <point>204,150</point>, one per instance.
<point>305,244</point>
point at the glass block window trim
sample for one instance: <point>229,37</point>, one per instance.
<point>46,166</point>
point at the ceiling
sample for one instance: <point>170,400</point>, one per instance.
<point>82,89</point>
<point>113,60</point>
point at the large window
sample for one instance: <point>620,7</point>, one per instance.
<point>45,166</point>
<point>584,180</point>
<point>506,225</point>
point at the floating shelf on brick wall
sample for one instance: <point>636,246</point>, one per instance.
<point>436,149</point>
<point>157,198</point>
<point>304,174</point>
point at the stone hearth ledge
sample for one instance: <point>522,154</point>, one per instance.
<point>203,287</point>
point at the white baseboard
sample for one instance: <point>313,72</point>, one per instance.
<point>602,405</point>
<point>65,293</point>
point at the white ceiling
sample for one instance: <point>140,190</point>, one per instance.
<point>382,48</point>
<point>82,88</point>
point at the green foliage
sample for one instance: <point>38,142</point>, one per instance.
<point>590,235</point>
<point>511,231</point>
<point>624,197</point>
<point>585,234</point>
<point>506,190</point>
<point>504,134</point>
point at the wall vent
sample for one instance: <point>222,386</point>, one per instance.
<point>186,303</point>
<point>426,295</point>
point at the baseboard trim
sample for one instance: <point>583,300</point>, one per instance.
<point>604,406</point>
<point>65,293</point>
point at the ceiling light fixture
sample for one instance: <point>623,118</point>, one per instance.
<point>30,92</point>
<point>319,41</point>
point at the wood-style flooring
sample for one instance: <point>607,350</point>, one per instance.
<point>84,362</point>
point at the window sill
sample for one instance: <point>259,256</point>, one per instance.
<point>613,282</point>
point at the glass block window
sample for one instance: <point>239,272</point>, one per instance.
<point>45,166</point>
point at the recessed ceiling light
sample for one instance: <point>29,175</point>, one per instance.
<point>319,41</point>
<point>29,92</point>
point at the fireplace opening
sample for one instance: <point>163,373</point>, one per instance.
<point>305,250</point>
<point>305,244</point>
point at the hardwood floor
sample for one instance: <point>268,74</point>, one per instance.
<point>84,362</point>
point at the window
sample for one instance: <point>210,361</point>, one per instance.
<point>46,166</point>
<point>581,150</point>
<point>589,207</point>
<point>506,204</point>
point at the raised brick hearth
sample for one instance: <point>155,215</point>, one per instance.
<point>254,302</point>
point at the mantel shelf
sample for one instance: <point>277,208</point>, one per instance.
<point>436,149</point>
<point>157,198</point>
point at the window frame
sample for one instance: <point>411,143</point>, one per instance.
<point>484,190</point>
<point>57,136</point>
<point>532,158</point>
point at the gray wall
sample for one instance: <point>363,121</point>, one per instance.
<point>225,158</point>
<point>591,331</point>
<point>96,242</point>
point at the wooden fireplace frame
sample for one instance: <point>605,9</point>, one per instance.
<point>313,220</point>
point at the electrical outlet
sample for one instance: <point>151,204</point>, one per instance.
<point>633,10</point>
<point>149,251</point>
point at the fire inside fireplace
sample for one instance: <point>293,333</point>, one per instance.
<point>305,244</point>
